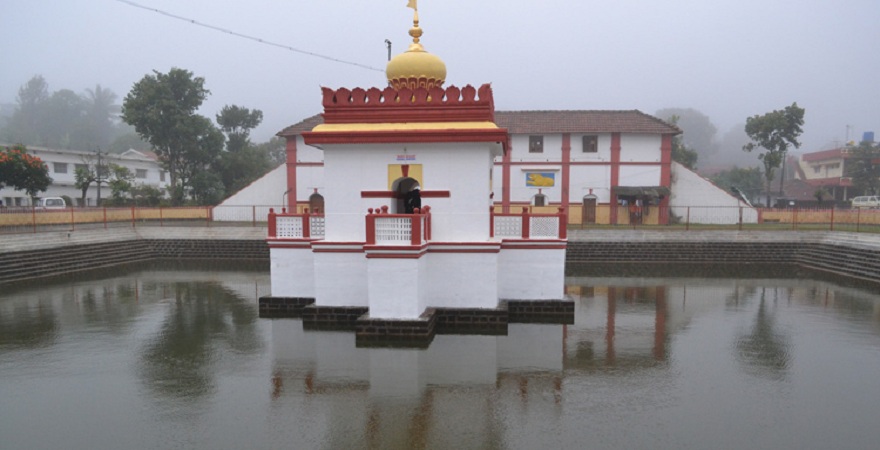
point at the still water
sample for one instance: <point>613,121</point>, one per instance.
<point>170,355</point>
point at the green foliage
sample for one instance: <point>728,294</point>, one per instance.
<point>748,180</point>
<point>698,132</point>
<point>275,149</point>
<point>237,123</point>
<point>242,162</point>
<point>863,166</point>
<point>62,119</point>
<point>84,177</point>
<point>162,107</point>
<point>680,152</point>
<point>775,132</point>
<point>22,171</point>
<point>146,195</point>
<point>207,188</point>
<point>120,182</point>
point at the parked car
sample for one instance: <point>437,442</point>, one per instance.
<point>52,203</point>
<point>866,201</point>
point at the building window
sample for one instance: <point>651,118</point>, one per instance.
<point>161,175</point>
<point>816,169</point>
<point>536,144</point>
<point>591,144</point>
<point>60,167</point>
<point>834,166</point>
<point>140,173</point>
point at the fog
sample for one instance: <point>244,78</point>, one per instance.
<point>728,59</point>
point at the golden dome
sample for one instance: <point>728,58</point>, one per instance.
<point>416,67</point>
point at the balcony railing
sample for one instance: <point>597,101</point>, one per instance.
<point>529,225</point>
<point>398,229</point>
<point>286,225</point>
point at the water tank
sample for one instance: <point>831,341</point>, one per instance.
<point>868,136</point>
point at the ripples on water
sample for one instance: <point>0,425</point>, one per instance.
<point>174,355</point>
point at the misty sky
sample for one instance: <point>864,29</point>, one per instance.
<point>727,58</point>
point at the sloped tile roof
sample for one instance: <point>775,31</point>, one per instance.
<point>306,124</point>
<point>544,122</point>
<point>582,121</point>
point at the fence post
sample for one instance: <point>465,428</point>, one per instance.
<point>34,218</point>
<point>832,218</point>
<point>415,220</point>
<point>858,218</point>
<point>525,223</point>
<point>794,219</point>
<point>105,217</point>
<point>272,226</point>
<point>208,216</point>
<point>491,222</point>
<point>687,220</point>
<point>132,217</point>
<point>371,227</point>
<point>254,215</point>
<point>161,219</point>
<point>563,225</point>
<point>740,218</point>
<point>72,220</point>
<point>307,223</point>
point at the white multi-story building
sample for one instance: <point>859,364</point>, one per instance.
<point>62,165</point>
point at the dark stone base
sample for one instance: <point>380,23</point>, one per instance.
<point>540,311</point>
<point>332,317</point>
<point>419,333</point>
<point>283,306</point>
<point>472,321</point>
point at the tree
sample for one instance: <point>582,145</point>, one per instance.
<point>202,149</point>
<point>23,171</point>
<point>680,152</point>
<point>237,123</point>
<point>161,107</point>
<point>24,125</point>
<point>748,180</point>
<point>63,119</point>
<point>84,177</point>
<point>121,183</point>
<point>775,132</point>
<point>275,149</point>
<point>207,188</point>
<point>99,127</point>
<point>864,167</point>
<point>698,132</point>
<point>242,162</point>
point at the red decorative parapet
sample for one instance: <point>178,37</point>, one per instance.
<point>527,225</point>
<point>398,229</point>
<point>389,105</point>
<point>286,225</point>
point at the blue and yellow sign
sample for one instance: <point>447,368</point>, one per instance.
<point>540,179</point>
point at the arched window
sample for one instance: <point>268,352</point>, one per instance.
<point>402,186</point>
<point>316,203</point>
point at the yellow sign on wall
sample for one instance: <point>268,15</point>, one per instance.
<point>395,172</point>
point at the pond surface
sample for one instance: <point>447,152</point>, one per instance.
<point>170,355</point>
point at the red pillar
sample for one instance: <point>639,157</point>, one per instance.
<point>505,181</point>
<point>665,175</point>
<point>566,168</point>
<point>615,175</point>
<point>291,174</point>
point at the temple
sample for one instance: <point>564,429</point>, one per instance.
<point>403,241</point>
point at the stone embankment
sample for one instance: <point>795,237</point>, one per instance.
<point>25,256</point>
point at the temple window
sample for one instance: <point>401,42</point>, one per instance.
<point>536,144</point>
<point>60,167</point>
<point>591,144</point>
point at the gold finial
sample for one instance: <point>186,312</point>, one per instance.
<point>415,31</point>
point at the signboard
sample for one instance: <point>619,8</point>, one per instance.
<point>540,179</point>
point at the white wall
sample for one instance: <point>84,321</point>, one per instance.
<point>640,147</point>
<point>696,199</point>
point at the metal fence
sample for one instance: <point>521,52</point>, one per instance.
<point>16,220</point>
